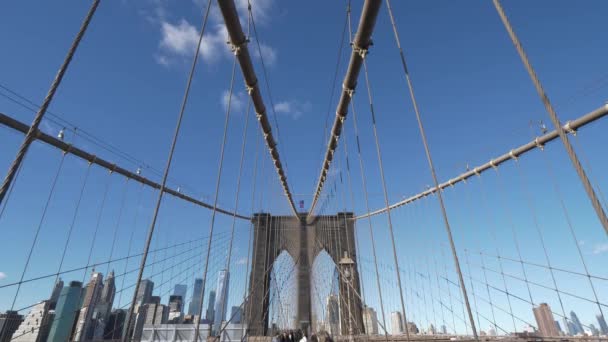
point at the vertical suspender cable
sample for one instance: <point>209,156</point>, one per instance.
<point>161,192</point>
<point>217,193</point>
<point>31,133</point>
<point>432,169</point>
<point>385,191</point>
<point>599,210</point>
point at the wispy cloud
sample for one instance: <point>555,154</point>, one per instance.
<point>242,261</point>
<point>179,38</point>
<point>238,100</point>
<point>600,248</point>
<point>293,109</point>
<point>2,275</point>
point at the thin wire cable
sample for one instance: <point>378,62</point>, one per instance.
<point>166,173</point>
<point>30,136</point>
<point>597,206</point>
<point>432,169</point>
<point>217,191</point>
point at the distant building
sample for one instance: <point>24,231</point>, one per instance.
<point>370,321</point>
<point>569,328</point>
<point>103,309</point>
<point>55,294</point>
<point>444,329</point>
<point>236,315</point>
<point>433,331</point>
<point>577,324</point>
<point>35,326</point>
<point>85,326</point>
<point>559,328</point>
<point>180,290</point>
<point>9,322</point>
<point>593,330</point>
<point>66,312</point>
<point>602,323</point>
<point>144,293</point>
<point>221,301</point>
<point>545,321</point>
<point>412,328</point>
<point>491,332</point>
<point>176,306</point>
<point>397,323</point>
<point>332,317</point>
<point>196,297</point>
<point>115,325</point>
<point>210,313</point>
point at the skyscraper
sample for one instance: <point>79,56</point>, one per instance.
<point>221,301</point>
<point>569,327</point>
<point>144,293</point>
<point>180,290</point>
<point>593,330</point>
<point>116,322</point>
<point>34,327</point>
<point>545,321</point>
<point>332,312</point>
<point>559,328</point>
<point>210,314</point>
<point>236,314</point>
<point>176,306</point>
<point>65,312</point>
<point>397,323</point>
<point>9,322</point>
<point>370,321</point>
<point>602,323</point>
<point>577,323</point>
<point>101,313</point>
<point>85,326</point>
<point>195,303</point>
<point>55,294</point>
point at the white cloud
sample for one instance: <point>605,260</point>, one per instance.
<point>294,109</point>
<point>179,39</point>
<point>2,275</point>
<point>242,261</point>
<point>238,101</point>
<point>600,248</point>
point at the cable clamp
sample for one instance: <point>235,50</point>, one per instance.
<point>359,50</point>
<point>493,164</point>
<point>568,128</point>
<point>512,155</point>
<point>349,91</point>
<point>538,144</point>
<point>476,171</point>
<point>249,89</point>
<point>236,48</point>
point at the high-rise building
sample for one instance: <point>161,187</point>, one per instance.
<point>101,313</point>
<point>181,290</point>
<point>221,301</point>
<point>85,326</point>
<point>569,328</point>
<point>55,294</point>
<point>210,314</point>
<point>593,330</point>
<point>66,312</point>
<point>35,326</point>
<point>195,303</point>
<point>559,328</point>
<point>114,327</point>
<point>370,321</point>
<point>444,329</point>
<point>144,293</point>
<point>545,320</point>
<point>397,323</point>
<point>236,315</point>
<point>433,331</point>
<point>602,323</point>
<point>412,328</point>
<point>332,312</point>
<point>176,306</point>
<point>9,322</point>
<point>577,323</point>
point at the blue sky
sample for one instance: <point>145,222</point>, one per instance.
<point>127,80</point>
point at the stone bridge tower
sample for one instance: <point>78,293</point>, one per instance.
<point>303,241</point>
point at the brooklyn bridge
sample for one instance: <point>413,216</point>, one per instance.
<point>259,170</point>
